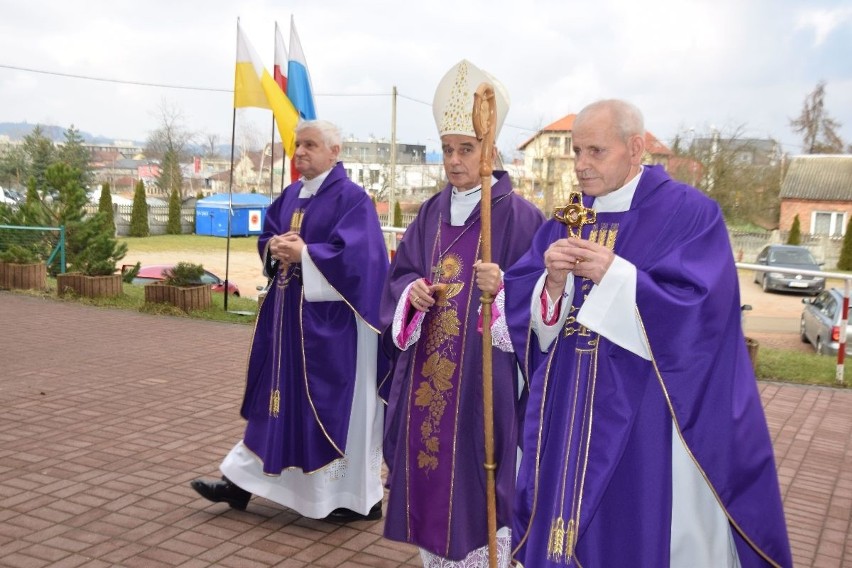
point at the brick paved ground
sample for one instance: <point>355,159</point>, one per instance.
<point>106,415</point>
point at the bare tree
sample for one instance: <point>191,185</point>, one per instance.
<point>168,144</point>
<point>818,130</point>
<point>742,174</point>
<point>211,146</point>
<point>170,135</point>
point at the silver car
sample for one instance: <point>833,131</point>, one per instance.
<point>820,324</point>
<point>793,257</point>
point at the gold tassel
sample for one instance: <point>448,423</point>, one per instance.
<point>557,536</point>
<point>570,536</point>
<point>275,403</point>
<point>296,220</point>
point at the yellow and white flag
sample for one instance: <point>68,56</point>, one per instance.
<point>255,87</point>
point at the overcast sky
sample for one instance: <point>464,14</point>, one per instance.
<point>734,65</point>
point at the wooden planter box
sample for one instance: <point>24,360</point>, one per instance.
<point>108,286</point>
<point>185,298</point>
<point>23,276</point>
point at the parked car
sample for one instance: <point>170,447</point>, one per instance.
<point>788,256</point>
<point>820,325</point>
<point>154,273</point>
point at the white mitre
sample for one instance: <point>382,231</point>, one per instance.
<point>453,103</point>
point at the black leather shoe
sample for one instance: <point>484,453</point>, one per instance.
<point>219,491</point>
<point>348,515</point>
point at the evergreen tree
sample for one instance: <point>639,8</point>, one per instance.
<point>105,207</point>
<point>173,226</point>
<point>94,246</point>
<point>139,214</point>
<point>67,184</point>
<point>73,153</point>
<point>39,150</point>
<point>397,214</point>
<point>845,260</point>
<point>13,166</point>
<point>795,236</point>
<point>33,210</point>
<point>170,177</point>
<point>90,246</point>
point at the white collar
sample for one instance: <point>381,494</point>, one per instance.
<point>620,199</point>
<point>311,186</point>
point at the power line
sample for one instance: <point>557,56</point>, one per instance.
<point>119,81</point>
<point>210,89</point>
<point>166,86</point>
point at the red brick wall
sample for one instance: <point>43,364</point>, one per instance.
<point>792,207</point>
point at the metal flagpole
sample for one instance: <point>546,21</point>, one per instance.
<point>230,205</point>
<point>483,124</point>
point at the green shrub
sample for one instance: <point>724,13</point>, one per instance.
<point>795,236</point>
<point>184,274</point>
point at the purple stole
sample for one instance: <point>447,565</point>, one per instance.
<point>569,408</point>
<point>436,384</point>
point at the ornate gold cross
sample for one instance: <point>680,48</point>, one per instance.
<point>437,272</point>
<point>575,214</point>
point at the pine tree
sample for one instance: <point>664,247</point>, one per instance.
<point>105,207</point>
<point>397,214</point>
<point>94,246</point>
<point>77,156</point>
<point>845,260</point>
<point>170,177</point>
<point>139,214</point>
<point>795,236</point>
<point>91,247</point>
<point>173,226</point>
<point>40,153</point>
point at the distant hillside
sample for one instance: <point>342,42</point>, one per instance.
<point>18,130</point>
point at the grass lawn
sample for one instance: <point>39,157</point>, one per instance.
<point>188,243</point>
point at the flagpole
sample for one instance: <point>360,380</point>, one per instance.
<point>392,184</point>
<point>483,124</point>
<point>272,163</point>
<point>230,197</point>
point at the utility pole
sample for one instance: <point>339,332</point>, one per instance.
<point>392,184</point>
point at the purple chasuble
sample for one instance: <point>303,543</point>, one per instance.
<point>434,442</point>
<point>594,486</point>
<point>301,369</point>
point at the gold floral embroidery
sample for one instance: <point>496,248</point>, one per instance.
<point>442,325</point>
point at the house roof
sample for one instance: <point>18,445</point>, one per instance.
<point>566,124</point>
<point>818,177</point>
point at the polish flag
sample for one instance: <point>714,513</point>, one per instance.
<point>279,70</point>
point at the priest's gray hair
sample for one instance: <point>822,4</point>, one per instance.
<point>329,131</point>
<point>626,116</point>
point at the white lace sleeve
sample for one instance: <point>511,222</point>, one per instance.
<point>405,336</point>
<point>499,328</point>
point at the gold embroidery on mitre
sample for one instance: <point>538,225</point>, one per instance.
<point>457,116</point>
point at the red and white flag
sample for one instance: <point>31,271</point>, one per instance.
<point>279,70</point>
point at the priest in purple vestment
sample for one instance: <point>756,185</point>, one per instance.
<point>434,442</point>
<point>644,441</point>
<point>314,418</point>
